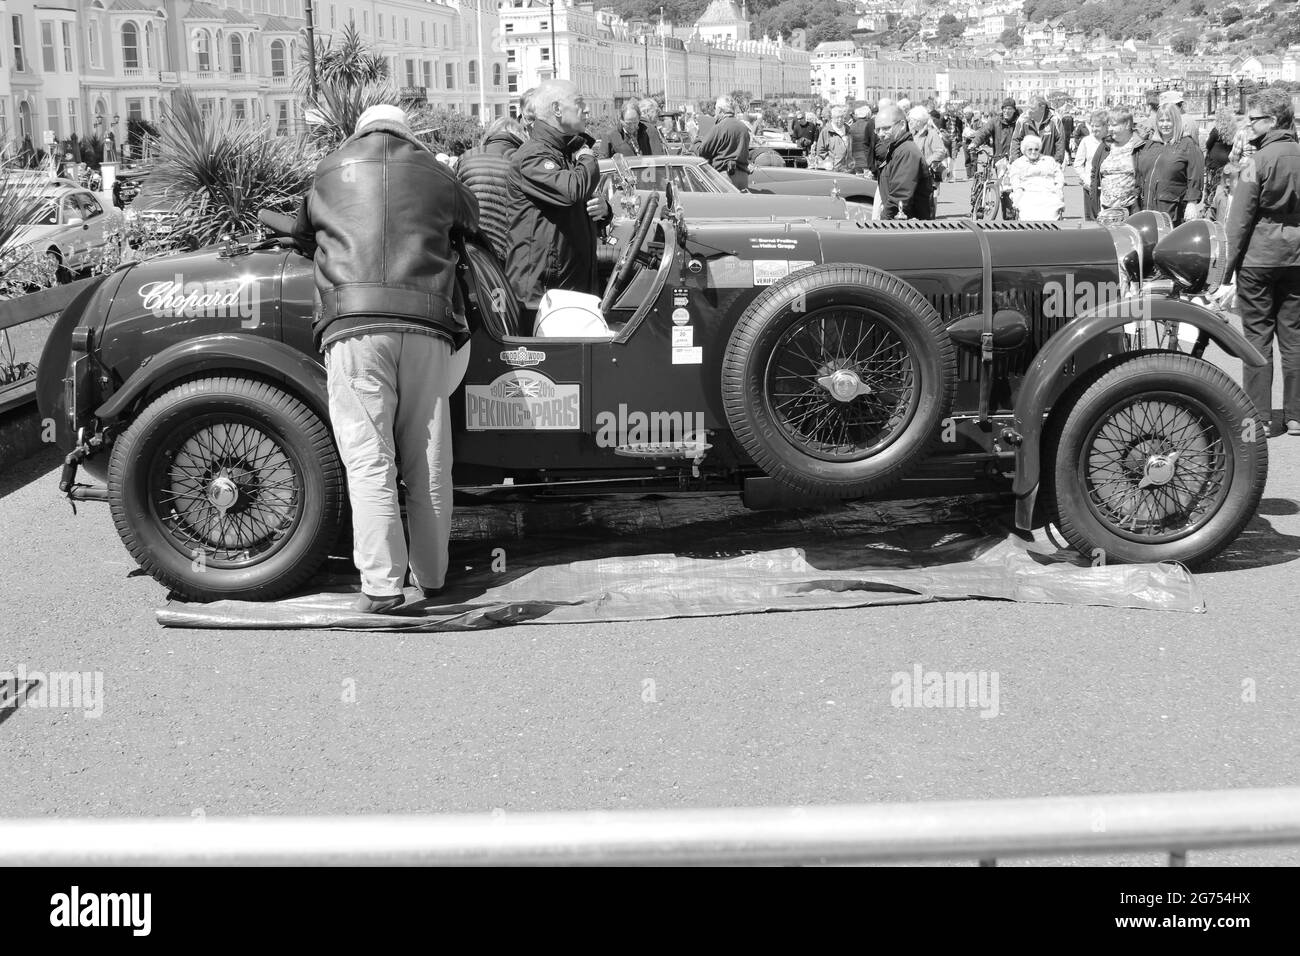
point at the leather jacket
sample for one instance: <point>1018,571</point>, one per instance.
<point>380,217</point>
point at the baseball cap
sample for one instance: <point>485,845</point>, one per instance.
<point>1009,102</point>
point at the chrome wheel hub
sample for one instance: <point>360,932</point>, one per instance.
<point>1159,470</point>
<point>844,385</point>
<point>223,493</point>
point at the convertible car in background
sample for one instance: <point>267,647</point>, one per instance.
<point>791,360</point>
<point>691,174</point>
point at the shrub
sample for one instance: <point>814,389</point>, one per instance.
<point>223,172</point>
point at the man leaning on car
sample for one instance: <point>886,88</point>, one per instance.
<point>381,216</point>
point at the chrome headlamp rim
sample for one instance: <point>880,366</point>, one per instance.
<point>1195,256</point>
<point>1130,253</point>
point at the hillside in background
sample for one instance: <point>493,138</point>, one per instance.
<point>1188,25</point>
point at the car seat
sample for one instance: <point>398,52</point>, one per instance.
<point>571,315</point>
<point>496,298</point>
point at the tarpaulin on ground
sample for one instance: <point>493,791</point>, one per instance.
<point>623,558</point>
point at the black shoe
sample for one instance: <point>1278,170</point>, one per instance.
<point>431,593</point>
<point>378,605</point>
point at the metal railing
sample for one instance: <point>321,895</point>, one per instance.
<point>981,830</point>
<point>24,309</point>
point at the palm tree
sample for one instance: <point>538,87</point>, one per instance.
<point>350,78</point>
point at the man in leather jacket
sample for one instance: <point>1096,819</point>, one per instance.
<point>380,218</point>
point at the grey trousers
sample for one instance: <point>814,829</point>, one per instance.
<point>388,398</point>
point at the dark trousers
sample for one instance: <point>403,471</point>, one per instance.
<point>1268,298</point>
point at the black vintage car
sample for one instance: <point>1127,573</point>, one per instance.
<point>819,358</point>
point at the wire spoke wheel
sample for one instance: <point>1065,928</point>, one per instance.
<point>228,489</point>
<point>841,384</point>
<point>1156,468</point>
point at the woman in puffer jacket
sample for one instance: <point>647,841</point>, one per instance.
<point>1037,183</point>
<point>1171,167</point>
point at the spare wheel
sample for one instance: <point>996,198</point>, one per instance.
<point>837,378</point>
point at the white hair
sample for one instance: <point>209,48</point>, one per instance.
<point>1030,140</point>
<point>918,113</point>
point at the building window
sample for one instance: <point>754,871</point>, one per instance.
<point>135,109</point>
<point>52,118</point>
<point>131,47</point>
<point>282,119</point>
<point>444,35</point>
<point>4,120</point>
<point>473,110</point>
<point>428,73</point>
<point>473,73</point>
<point>66,29</point>
<point>365,21</point>
<point>450,74</point>
<point>498,111</point>
<point>406,29</point>
<point>546,54</point>
<point>512,83</point>
<point>424,34</point>
<point>48,61</point>
<point>203,51</point>
<point>496,75</point>
<point>277,58</point>
<point>236,53</point>
<point>510,27</point>
<point>410,73</point>
<point>237,110</point>
<point>546,25</point>
<point>92,43</point>
<point>332,22</point>
<point>72,116</point>
<point>510,57</point>
<point>379,24</point>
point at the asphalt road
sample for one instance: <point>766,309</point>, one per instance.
<point>773,709</point>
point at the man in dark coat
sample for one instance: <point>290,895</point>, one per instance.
<point>1039,120</point>
<point>727,146</point>
<point>1264,252</point>
<point>904,177</point>
<point>630,137</point>
<point>551,189</point>
<point>485,170</point>
<point>804,130</point>
<point>382,219</point>
<point>862,141</point>
<point>1067,128</point>
<point>998,131</point>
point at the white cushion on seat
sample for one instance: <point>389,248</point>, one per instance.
<point>570,315</point>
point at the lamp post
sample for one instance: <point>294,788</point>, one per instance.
<point>555,54</point>
<point>311,49</point>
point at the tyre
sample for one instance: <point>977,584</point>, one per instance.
<point>836,378</point>
<point>1156,460</point>
<point>227,488</point>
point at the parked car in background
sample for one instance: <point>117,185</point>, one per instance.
<point>68,231</point>
<point>691,174</point>
<point>780,143</point>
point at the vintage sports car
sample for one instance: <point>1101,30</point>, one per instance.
<point>793,360</point>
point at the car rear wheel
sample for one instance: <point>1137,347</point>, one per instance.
<point>836,379</point>
<point>227,488</point>
<point>1159,459</point>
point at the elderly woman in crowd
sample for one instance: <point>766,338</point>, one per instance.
<point>1098,128</point>
<point>1037,183</point>
<point>1114,189</point>
<point>1171,167</point>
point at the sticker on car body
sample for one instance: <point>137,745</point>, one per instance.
<point>768,271</point>
<point>681,317</point>
<point>688,356</point>
<point>523,400</point>
<point>683,337</point>
<point>522,357</point>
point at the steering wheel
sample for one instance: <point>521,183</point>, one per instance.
<point>623,268</point>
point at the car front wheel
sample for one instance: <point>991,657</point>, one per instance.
<point>1160,459</point>
<point>227,488</point>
